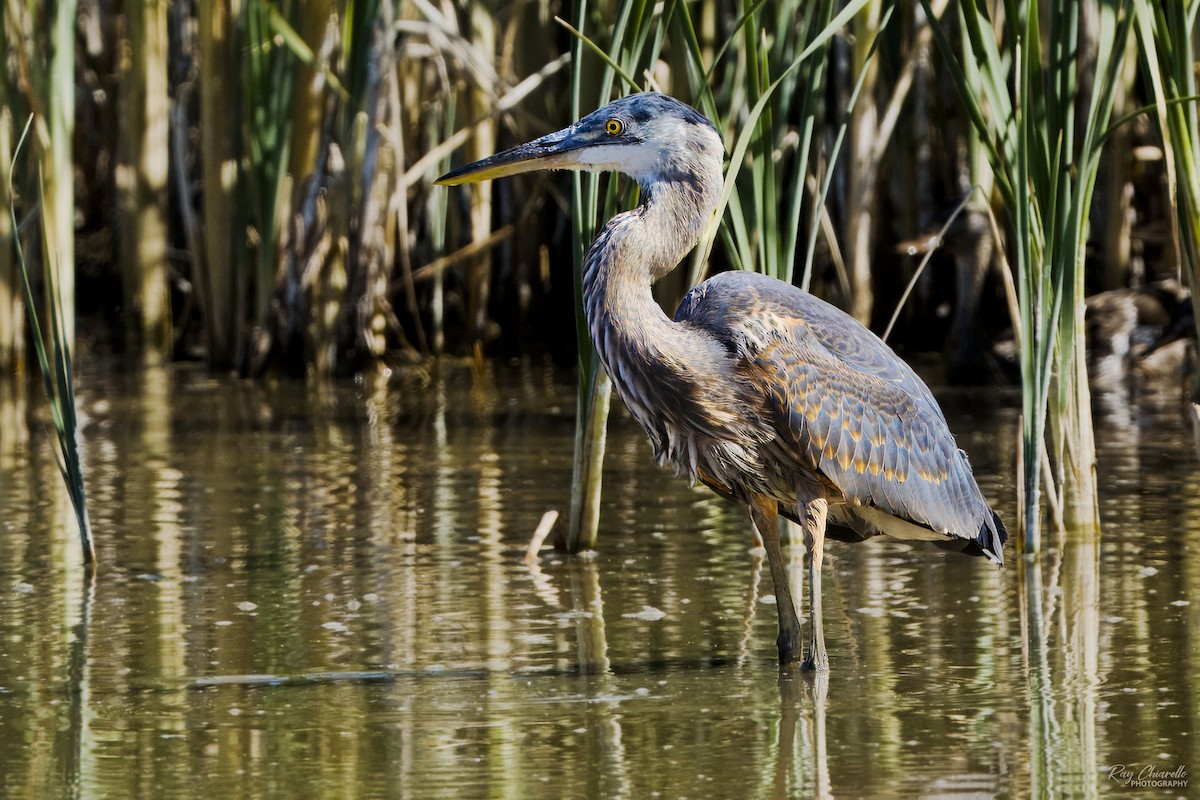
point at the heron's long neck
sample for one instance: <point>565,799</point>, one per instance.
<point>632,251</point>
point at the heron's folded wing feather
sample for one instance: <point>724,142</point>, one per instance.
<point>846,404</point>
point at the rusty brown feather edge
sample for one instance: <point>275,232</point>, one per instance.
<point>846,408</point>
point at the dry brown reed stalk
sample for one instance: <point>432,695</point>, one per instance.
<point>216,266</point>
<point>142,181</point>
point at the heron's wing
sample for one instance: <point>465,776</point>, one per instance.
<point>842,401</point>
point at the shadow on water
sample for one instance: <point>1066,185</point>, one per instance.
<point>320,593</point>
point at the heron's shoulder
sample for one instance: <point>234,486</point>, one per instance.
<point>753,305</point>
<point>765,321</point>
<point>743,295</point>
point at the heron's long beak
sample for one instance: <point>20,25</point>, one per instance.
<point>552,151</point>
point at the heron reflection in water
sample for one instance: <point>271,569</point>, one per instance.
<point>768,395</point>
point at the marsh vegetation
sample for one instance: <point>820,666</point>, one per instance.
<point>297,420</point>
<point>248,183</point>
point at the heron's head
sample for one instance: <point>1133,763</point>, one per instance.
<point>650,137</point>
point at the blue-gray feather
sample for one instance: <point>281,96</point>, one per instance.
<point>845,407</point>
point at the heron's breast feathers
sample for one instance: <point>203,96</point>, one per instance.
<point>695,423</point>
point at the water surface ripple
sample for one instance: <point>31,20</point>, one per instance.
<point>320,593</point>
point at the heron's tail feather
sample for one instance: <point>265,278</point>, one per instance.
<point>992,537</point>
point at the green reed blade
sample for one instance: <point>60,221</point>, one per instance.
<point>57,375</point>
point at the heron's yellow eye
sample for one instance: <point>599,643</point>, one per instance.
<point>614,127</point>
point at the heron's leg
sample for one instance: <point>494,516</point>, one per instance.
<point>815,511</point>
<point>764,514</point>
<point>756,537</point>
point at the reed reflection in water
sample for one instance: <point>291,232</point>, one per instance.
<point>313,592</point>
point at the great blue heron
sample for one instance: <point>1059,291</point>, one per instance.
<point>757,389</point>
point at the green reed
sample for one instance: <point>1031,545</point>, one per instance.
<point>38,71</point>
<point>301,129</point>
<point>635,40</point>
<point>784,75</point>
<point>1043,137</point>
<point>1166,32</point>
<point>56,362</point>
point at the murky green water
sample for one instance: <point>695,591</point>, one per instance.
<point>307,594</point>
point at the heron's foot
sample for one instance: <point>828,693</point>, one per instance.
<point>816,662</point>
<point>789,648</point>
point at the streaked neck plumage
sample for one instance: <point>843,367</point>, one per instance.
<point>658,366</point>
<point>638,247</point>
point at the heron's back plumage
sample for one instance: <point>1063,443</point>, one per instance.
<point>844,409</point>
